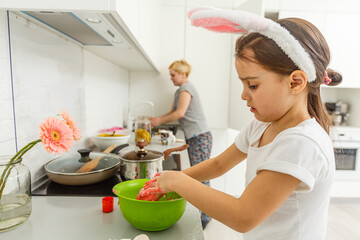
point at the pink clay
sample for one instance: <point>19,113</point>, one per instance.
<point>147,193</point>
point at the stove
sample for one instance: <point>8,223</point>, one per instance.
<point>47,187</point>
<point>101,189</point>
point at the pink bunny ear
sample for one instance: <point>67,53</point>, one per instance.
<point>235,21</point>
<point>227,20</point>
<point>217,25</point>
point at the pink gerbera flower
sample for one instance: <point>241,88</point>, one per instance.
<point>56,135</point>
<point>72,125</point>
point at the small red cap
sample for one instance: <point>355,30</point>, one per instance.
<point>107,204</point>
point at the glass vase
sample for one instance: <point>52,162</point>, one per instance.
<point>15,199</point>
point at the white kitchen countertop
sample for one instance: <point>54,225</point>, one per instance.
<point>64,217</point>
<point>60,218</point>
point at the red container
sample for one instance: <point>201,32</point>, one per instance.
<point>107,204</point>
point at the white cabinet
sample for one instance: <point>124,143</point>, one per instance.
<point>316,18</point>
<point>338,30</point>
<point>303,5</point>
<point>143,17</point>
<point>209,54</point>
<point>99,27</point>
<point>232,182</point>
<point>344,45</point>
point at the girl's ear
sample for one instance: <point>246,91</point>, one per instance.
<point>297,81</point>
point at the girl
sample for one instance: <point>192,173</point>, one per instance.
<point>290,160</point>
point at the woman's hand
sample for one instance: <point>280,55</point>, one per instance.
<point>155,121</point>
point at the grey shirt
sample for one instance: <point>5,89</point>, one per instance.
<point>194,122</point>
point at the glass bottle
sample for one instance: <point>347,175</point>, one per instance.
<point>142,129</point>
<point>15,198</point>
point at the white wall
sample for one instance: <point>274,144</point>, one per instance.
<point>239,113</point>
<point>7,143</point>
<point>344,48</point>
<point>232,182</point>
<point>51,74</point>
<point>106,93</point>
<point>208,53</point>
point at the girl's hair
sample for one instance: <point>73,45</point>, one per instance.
<point>181,66</point>
<point>270,56</point>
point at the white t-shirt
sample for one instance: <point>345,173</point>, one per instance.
<point>306,153</point>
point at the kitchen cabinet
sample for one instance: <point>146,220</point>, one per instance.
<point>313,6</point>
<point>344,46</point>
<point>316,18</point>
<point>303,5</point>
<point>233,181</point>
<point>143,17</point>
<point>337,27</point>
<point>97,20</point>
<point>207,52</point>
<point>238,113</point>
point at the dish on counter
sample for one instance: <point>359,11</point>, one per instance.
<point>103,142</point>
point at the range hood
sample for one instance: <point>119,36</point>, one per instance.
<point>94,25</point>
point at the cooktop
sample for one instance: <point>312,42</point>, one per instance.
<point>47,187</point>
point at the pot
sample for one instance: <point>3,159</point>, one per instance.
<point>63,170</point>
<point>144,163</point>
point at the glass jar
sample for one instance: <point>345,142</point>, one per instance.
<point>15,198</point>
<point>142,129</point>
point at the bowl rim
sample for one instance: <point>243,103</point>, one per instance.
<point>151,202</point>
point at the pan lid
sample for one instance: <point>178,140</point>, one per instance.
<point>69,164</point>
<point>142,154</point>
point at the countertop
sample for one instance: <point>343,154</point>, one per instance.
<point>69,217</point>
<point>59,218</point>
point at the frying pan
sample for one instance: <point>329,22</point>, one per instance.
<point>63,170</point>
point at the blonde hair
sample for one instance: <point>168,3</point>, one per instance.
<point>181,66</point>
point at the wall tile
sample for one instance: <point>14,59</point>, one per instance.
<point>51,74</point>
<point>7,136</point>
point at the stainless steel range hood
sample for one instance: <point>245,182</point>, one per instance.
<point>94,25</point>
<point>73,27</point>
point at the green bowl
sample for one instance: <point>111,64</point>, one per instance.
<point>148,215</point>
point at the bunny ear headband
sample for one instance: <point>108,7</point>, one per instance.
<point>235,21</point>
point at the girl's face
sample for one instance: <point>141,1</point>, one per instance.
<point>177,78</point>
<point>268,94</point>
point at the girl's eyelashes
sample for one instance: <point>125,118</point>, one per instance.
<point>249,83</point>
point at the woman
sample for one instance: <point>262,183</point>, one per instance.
<point>188,110</point>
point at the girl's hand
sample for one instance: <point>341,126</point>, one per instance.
<point>157,186</point>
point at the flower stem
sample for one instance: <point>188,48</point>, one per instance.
<point>18,155</point>
<point>3,186</point>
